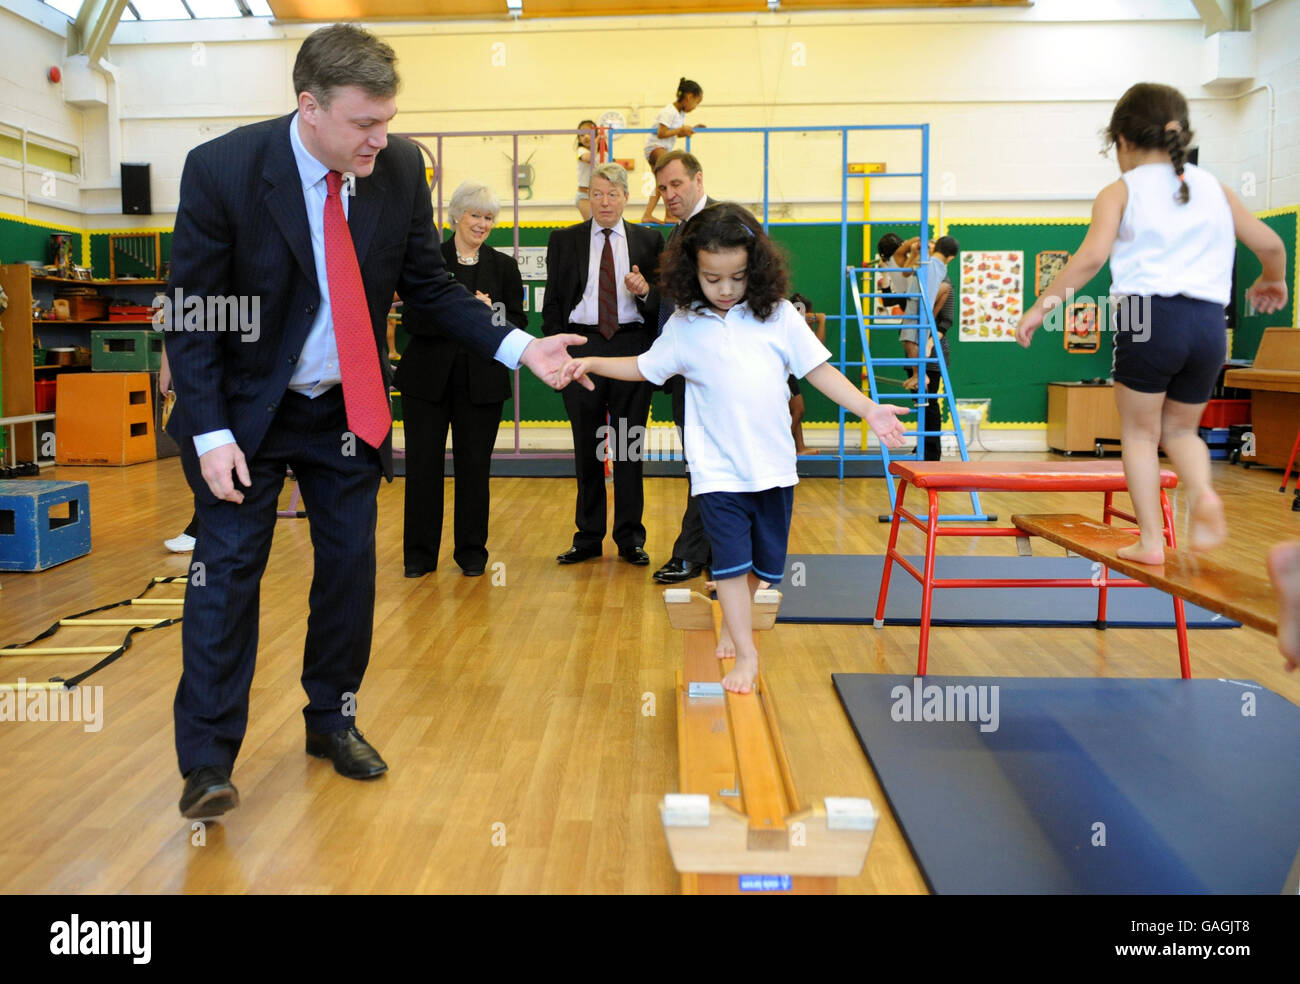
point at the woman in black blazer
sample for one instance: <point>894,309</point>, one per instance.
<point>443,383</point>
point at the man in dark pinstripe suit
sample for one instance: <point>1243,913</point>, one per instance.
<point>254,223</point>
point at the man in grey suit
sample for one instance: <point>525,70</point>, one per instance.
<point>681,186</point>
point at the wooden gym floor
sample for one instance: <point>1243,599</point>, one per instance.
<point>528,725</point>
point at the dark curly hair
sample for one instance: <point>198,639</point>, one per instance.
<point>1151,116</point>
<point>719,227</point>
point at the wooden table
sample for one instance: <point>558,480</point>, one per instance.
<point>1274,382</point>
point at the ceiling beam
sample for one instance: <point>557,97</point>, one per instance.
<point>94,27</point>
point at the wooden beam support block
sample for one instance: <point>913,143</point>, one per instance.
<point>1244,597</point>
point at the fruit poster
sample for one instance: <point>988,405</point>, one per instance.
<point>992,295</point>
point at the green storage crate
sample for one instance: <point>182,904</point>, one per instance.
<point>127,350</point>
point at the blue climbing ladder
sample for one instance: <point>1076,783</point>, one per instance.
<point>928,341</point>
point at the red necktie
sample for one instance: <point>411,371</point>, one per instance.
<point>354,336</point>
<point>607,292</point>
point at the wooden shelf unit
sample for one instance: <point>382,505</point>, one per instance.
<point>17,372</point>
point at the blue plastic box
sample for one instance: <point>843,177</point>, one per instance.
<point>42,523</point>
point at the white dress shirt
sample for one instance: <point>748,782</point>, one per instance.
<point>588,310</point>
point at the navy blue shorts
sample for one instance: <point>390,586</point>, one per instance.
<point>1171,345</point>
<point>748,531</point>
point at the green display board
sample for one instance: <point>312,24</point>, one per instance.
<point>22,240</point>
<point>1016,379</point>
<point>1250,327</point>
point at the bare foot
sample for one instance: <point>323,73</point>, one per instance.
<point>741,678</point>
<point>1208,528</point>
<point>1143,555</point>
<point>726,646</point>
<point>1284,571</point>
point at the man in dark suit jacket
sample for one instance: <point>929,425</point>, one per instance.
<point>681,185</point>
<point>266,219</point>
<point>619,318</point>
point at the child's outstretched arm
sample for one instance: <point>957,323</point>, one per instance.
<point>1268,293</point>
<point>620,368</point>
<point>1107,211</point>
<point>882,418</point>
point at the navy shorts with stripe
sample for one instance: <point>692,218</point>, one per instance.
<point>1175,346</point>
<point>748,531</point>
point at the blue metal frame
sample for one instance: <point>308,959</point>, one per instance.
<point>868,364</point>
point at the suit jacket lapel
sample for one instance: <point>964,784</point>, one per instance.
<point>584,257</point>
<point>284,198</point>
<point>364,209</point>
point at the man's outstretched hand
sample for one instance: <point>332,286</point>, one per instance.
<point>548,356</point>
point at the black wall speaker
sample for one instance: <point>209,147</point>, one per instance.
<point>135,190</point>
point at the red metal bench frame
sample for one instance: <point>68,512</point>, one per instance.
<point>934,477</point>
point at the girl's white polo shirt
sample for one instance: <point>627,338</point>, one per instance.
<point>737,431</point>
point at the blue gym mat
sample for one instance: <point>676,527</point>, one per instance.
<point>1087,785</point>
<point>842,588</point>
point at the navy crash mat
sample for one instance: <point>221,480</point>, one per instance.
<point>1028,785</point>
<point>842,588</point>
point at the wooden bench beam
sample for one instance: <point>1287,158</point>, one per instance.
<point>1244,597</point>
<point>738,811</point>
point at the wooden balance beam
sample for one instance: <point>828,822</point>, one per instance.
<point>1244,597</point>
<point>738,826</point>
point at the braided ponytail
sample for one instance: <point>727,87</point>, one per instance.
<point>1154,116</point>
<point>1176,140</point>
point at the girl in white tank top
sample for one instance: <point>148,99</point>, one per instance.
<point>1169,231</point>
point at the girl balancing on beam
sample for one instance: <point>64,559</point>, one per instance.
<point>736,341</point>
<point>1170,232</point>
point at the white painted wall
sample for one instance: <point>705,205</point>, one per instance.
<point>1015,98</point>
<point>31,41</point>
<point>1277,30</point>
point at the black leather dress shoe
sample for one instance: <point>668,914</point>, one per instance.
<point>419,571</point>
<point>472,571</point>
<point>208,793</point>
<point>634,555</point>
<point>352,755</point>
<point>576,555</point>
<point>678,570</point>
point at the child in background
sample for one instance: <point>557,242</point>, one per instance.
<point>736,339</point>
<point>669,125</point>
<point>1170,231</point>
<point>817,323</point>
<point>583,144</point>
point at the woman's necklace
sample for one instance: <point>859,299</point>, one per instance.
<point>466,259</point>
